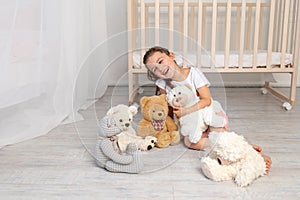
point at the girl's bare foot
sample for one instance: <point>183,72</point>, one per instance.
<point>268,162</point>
<point>266,158</point>
<point>257,148</point>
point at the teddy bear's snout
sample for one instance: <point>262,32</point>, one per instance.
<point>178,99</point>
<point>127,124</point>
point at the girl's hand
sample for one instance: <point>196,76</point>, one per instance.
<point>179,111</point>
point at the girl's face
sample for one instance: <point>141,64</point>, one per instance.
<point>162,65</point>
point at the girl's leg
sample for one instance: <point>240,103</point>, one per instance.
<point>202,144</point>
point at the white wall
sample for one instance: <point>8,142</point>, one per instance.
<point>117,49</point>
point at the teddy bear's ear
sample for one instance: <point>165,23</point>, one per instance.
<point>133,110</point>
<point>144,100</point>
<point>111,111</point>
<point>163,96</point>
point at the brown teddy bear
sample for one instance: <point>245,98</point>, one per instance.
<point>156,121</point>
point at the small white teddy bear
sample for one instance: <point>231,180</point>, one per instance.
<point>231,157</point>
<point>195,123</point>
<point>143,144</point>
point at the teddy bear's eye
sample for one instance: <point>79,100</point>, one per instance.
<point>129,119</point>
<point>179,92</point>
<point>153,110</point>
<point>120,120</point>
<point>174,95</point>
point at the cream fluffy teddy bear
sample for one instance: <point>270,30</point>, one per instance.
<point>195,123</point>
<point>232,158</point>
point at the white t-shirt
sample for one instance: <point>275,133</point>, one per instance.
<point>196,79</point>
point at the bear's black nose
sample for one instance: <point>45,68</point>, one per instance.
<point>149,147</point>
<point>159,114</point>
<point>219,161</point>
<point>178,99</point>
<point>127,124</point>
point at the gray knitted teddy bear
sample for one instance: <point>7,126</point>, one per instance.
<point>117,119</point>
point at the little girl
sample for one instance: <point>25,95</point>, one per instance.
<point>164,71</point>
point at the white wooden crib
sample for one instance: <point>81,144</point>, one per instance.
<point>233,36</point>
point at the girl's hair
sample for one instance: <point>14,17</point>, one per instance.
<point>153,50</point>
<point>151,76</point>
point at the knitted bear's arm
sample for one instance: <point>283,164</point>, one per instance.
<point>108,150</point>
<point>171,126</point>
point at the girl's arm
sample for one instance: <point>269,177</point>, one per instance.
<point>205,100</point>
<point>161,91</point>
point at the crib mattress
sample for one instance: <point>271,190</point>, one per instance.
<point>206,61</point>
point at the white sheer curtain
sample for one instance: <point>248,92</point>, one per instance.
<point>42,46</point>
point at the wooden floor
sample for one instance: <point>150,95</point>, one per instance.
<point>60,165</point>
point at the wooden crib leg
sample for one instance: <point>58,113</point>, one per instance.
<point>133,88</point>
<point>276,92</point>
<point>293,88</point>
<point>291,100</point>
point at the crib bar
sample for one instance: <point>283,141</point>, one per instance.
<point>237,27</point>
<point>157,10</point>
<point>275,31</point>
<point>192,29</point>
<point>203,25</point>
<point>294,6</point>
<point>242,34</point>
<point>227,34</point>
<point>147,25</point>
<point>249,18</point>
<point>185,31</point>
<point>199,42</point>
<point>256,31</point>
<point>181,26</point>
<point>213,33</point>
<point>135,14</point>
<point>143,23</point>
<point>134,21</point>
<point>261,23</point>
<point>270,33</point>
<point>296,59</point>
<point>130,49</point>
<point>171,24</point>
<point>280,21</point>
<point>284,33</point>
